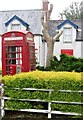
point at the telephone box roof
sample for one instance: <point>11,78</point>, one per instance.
<point>20,31</point>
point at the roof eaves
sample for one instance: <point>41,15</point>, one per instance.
<point>67,21</point>
<point>20,20</point>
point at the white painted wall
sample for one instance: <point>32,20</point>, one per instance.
<point>40,50</point>
<point>77,49</point>
<point>82,49</point>
<point>45,53</point>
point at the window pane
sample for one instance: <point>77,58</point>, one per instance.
<point>67,31</point>
<point>67,34</point>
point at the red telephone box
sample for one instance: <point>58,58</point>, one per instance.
<point>18,52</point>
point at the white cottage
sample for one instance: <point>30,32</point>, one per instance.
<point>70,41</point>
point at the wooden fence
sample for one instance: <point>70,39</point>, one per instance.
<point>49,111</point>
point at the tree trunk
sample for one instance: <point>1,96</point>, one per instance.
<point>49,40</point>
<point>50,47</point>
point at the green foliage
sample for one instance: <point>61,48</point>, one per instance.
<point>62,96</point>
<point>12,105</point>
<point>72,12</point>
<point>66,108</point>
<point>43,80</point>
<point>70,63</point>
<point>66,63</point>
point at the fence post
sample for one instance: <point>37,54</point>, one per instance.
<point>2,100</point>
<point>49,106</point>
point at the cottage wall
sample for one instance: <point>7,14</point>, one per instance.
<point>40,50</point>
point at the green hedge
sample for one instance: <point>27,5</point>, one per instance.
<point>44,80</point>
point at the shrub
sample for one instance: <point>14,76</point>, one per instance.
<point>66,63</point>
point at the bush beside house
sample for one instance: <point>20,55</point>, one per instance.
<point>66,63</point>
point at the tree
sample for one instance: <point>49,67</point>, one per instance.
<point>81,10</point>
<point>72,12</point>
<point>49,40</point>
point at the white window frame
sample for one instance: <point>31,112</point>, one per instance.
<point>67,36</point>
<point>15,26</point>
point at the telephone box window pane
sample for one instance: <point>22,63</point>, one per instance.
<point>13,55</point>
<point>20,55</point>
<point>11,49</point>
<point>7,68</point>
<point>32,57</point>
<point>19,62</point>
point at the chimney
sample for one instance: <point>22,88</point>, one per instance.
<point>45,5</point>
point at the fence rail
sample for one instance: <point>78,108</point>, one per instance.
<point>1,101</point>
<point>49,111</point>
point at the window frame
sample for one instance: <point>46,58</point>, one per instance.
<point>16,24</point>
<point>69,40</point>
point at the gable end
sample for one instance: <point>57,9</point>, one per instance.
<point>20,20</point>
<point>67,21</point>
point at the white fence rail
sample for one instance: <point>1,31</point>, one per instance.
<point>1,101</point>
<point>49,111</point>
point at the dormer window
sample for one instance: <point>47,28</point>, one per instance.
<point>67,26</point>
<point>67,34</point>
<point>16,23</point>
<point>15,27</point>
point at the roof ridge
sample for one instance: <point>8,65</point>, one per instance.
<point>21,10</point>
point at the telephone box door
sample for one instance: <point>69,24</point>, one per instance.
<point>13,58</point>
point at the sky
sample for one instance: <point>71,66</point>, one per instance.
<point>58,5</point>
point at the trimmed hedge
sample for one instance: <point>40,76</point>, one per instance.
<point>44,80</point>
